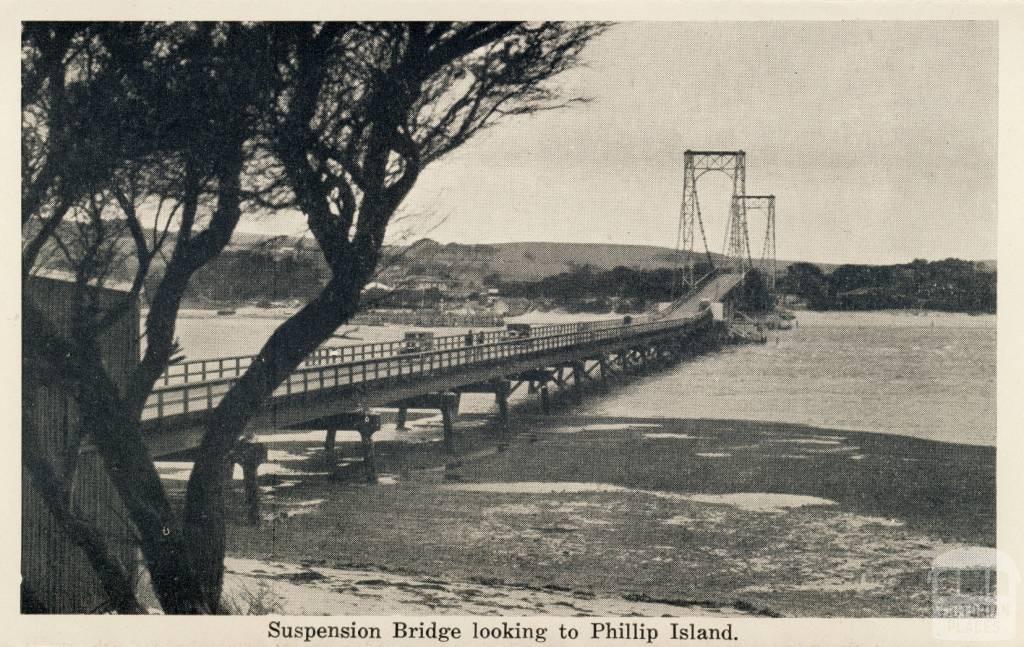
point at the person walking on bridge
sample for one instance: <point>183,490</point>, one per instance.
<point>470,337</point>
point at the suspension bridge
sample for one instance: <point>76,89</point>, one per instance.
<point>340,387</point>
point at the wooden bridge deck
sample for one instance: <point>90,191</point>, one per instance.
<point>343,379</point>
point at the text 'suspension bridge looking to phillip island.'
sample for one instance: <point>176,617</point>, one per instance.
<point>511,333</point>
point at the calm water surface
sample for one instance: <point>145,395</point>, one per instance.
<point>931,376</point>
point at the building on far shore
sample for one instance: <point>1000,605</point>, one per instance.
<point>424,282</point>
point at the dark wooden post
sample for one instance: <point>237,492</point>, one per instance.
<point>545,399</point>
<point>605,372</point>
<point>403,414</point>
<point>367,427</point>
<point>578,374</point>
<point>501,395</point>
<point>250,456</point>
<point>329,441</point>
<point>449,404</point>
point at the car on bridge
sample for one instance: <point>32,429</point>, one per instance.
<point>517,331</point>
<point>417,342</point>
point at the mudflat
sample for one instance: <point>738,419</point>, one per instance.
<point>726,517</point>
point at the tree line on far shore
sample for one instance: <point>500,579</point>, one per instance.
<point>589,289</point>
<point>951,285</point>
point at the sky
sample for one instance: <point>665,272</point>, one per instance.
<point>878,140</point>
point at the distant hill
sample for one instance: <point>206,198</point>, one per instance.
<point>522,261</point>
<point>466,264</point>
<point>530,261</point>
<point>525,261</point>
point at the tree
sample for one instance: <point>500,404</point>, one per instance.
<point>162,114</point>
<point>335,120</point>
<point>361,111</point>
<point>754,293</point>
<point>807,281</point>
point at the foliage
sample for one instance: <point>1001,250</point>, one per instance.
<point>258,276</point>
<point>586,289</point>
<point>258,600</point>
<point>952,285</point>
<point>754,295</point>
<point>807,281</point>
<point>142,146</point>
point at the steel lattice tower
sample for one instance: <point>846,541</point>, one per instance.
<point>766,203</point>
<point>737,246</point>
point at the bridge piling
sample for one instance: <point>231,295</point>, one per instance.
<point>577,375</point>
<point>250,456</point>
<point>402,418</point>
<point>329,444</point>
<point>624,360</point>
<point>449,409</point>
<point>545,400</point>
<point>605,373</point>
<point>501,388</point>
<point>646,360</point>
<point>501,396</point>
<point>367,427</point>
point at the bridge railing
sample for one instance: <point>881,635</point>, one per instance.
<point>204,370</point>
<point>187,398</point>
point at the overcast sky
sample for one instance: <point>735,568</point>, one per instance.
<point>878,139</point>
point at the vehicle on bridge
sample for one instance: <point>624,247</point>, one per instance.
<point>417,342</point>
<point>516,331</point>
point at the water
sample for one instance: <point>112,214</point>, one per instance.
<point>204,335</point>
<point>930,377</point>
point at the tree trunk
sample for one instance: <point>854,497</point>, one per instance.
<point>287,347</point>
<point>164,548</point>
